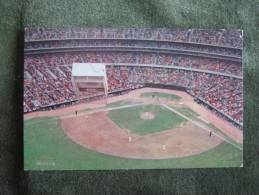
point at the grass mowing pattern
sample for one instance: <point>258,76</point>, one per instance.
<point>161,95</point>
<point>47,147</point>
<point>129,118</point>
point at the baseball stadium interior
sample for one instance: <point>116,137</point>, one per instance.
<point>207,64</point>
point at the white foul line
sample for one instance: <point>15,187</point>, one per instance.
<point>101,110</point>
<point>200,125</point>
<point>125,106</point>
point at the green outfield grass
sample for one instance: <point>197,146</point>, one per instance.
<point>161,95</point>
<point>119,103</point>
<point>129,118</point>
<point>46,147</point>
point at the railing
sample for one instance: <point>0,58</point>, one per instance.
<point>131,39</point>
<point>131,49</point>
<point>176,67</point>
<point>218,111</point>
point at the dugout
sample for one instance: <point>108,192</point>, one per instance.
<point>165,86</point>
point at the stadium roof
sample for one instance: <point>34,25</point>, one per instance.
<point>88,69</point>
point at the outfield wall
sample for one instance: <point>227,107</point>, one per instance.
<point>82,100</point>
<point>228,118</point>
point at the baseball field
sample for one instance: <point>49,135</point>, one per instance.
<point>144,129</point>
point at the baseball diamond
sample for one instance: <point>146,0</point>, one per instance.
<point>132,99</point>
<point>118,134</point>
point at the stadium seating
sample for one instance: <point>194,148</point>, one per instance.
<point>228,38</point>
<point>47,77</point>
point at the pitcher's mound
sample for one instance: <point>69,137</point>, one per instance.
<point>147,116</point>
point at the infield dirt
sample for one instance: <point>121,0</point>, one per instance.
<point>97,132</point>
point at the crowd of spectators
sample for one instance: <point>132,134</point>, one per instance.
<point>47,78</point>
<point>231,38</point>
<point>222,37</point>
<point>45,86</point>
<point>223,93</point>
<point>181,61</point>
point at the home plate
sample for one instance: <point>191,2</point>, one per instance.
<point>180,102</point>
